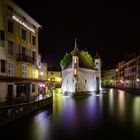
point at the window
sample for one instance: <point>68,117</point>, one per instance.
<point>20,90</point>
<point>10,26</point>
<point>2,70</point>
<point>33,87</point>
<point>2,35</point>
<point>33,40</point>
<point>75,60</point>
<point>23,34</point>
<point>33,72</point>
<point>23,70</point>
<point>10,68</point>
<point>53,79</point>
<point>10,47</point>
<point>85,81</point>
<point>10,92</point>
<point>10,8</point>
<point>23,50</point>
<point>52,73</point>
<point>33,55</point>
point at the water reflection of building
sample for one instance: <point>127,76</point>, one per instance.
<point>18,52</point>
<point>136,112</point>
<point>121,105</point>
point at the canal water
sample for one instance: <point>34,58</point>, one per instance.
<point>113,114</point>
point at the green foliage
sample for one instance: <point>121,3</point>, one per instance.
<point>65,61</point>
<point>88,58</point>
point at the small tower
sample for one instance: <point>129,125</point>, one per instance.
<point>98,64</point>
<point>75,60</point>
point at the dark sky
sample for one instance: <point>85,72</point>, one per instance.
<point>111,29</point>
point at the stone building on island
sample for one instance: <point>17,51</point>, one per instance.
<point>81,76</point>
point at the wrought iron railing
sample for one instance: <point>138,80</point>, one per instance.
<point>25,58</point>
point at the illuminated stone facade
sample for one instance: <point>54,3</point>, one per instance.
<point>81,79</point>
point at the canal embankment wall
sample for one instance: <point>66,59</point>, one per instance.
<point>10,113</point>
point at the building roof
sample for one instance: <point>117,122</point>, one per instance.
<point>75,51</point>
<point>83,63</point>
<point>23,13</point>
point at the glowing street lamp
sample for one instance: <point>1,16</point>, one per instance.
<point>41,73</point>
<point>138,80</point>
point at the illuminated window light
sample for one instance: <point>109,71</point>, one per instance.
<point>75,60</point>
<point>23,23</point>
<point>75,72</point>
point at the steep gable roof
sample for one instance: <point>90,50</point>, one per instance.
<point>83,63</point>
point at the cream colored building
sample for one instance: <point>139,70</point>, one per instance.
<point>54,76</point>
<point>18,52</point>
<point>109,77</point>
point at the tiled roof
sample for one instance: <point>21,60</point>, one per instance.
<point>83,63</point>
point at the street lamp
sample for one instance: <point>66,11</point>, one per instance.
<point>138,80</point>
<point>41,73</point>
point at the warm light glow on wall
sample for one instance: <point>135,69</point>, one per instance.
<point>58,79</point>
<point>23,23</point>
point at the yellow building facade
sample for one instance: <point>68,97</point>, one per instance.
<point>18,52</point>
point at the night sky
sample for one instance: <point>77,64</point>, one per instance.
<point>111,29</point>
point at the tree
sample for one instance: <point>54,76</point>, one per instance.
<point>64,62</point>
<point>88,58</point>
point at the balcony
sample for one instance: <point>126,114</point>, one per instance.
<point>25,58</point>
